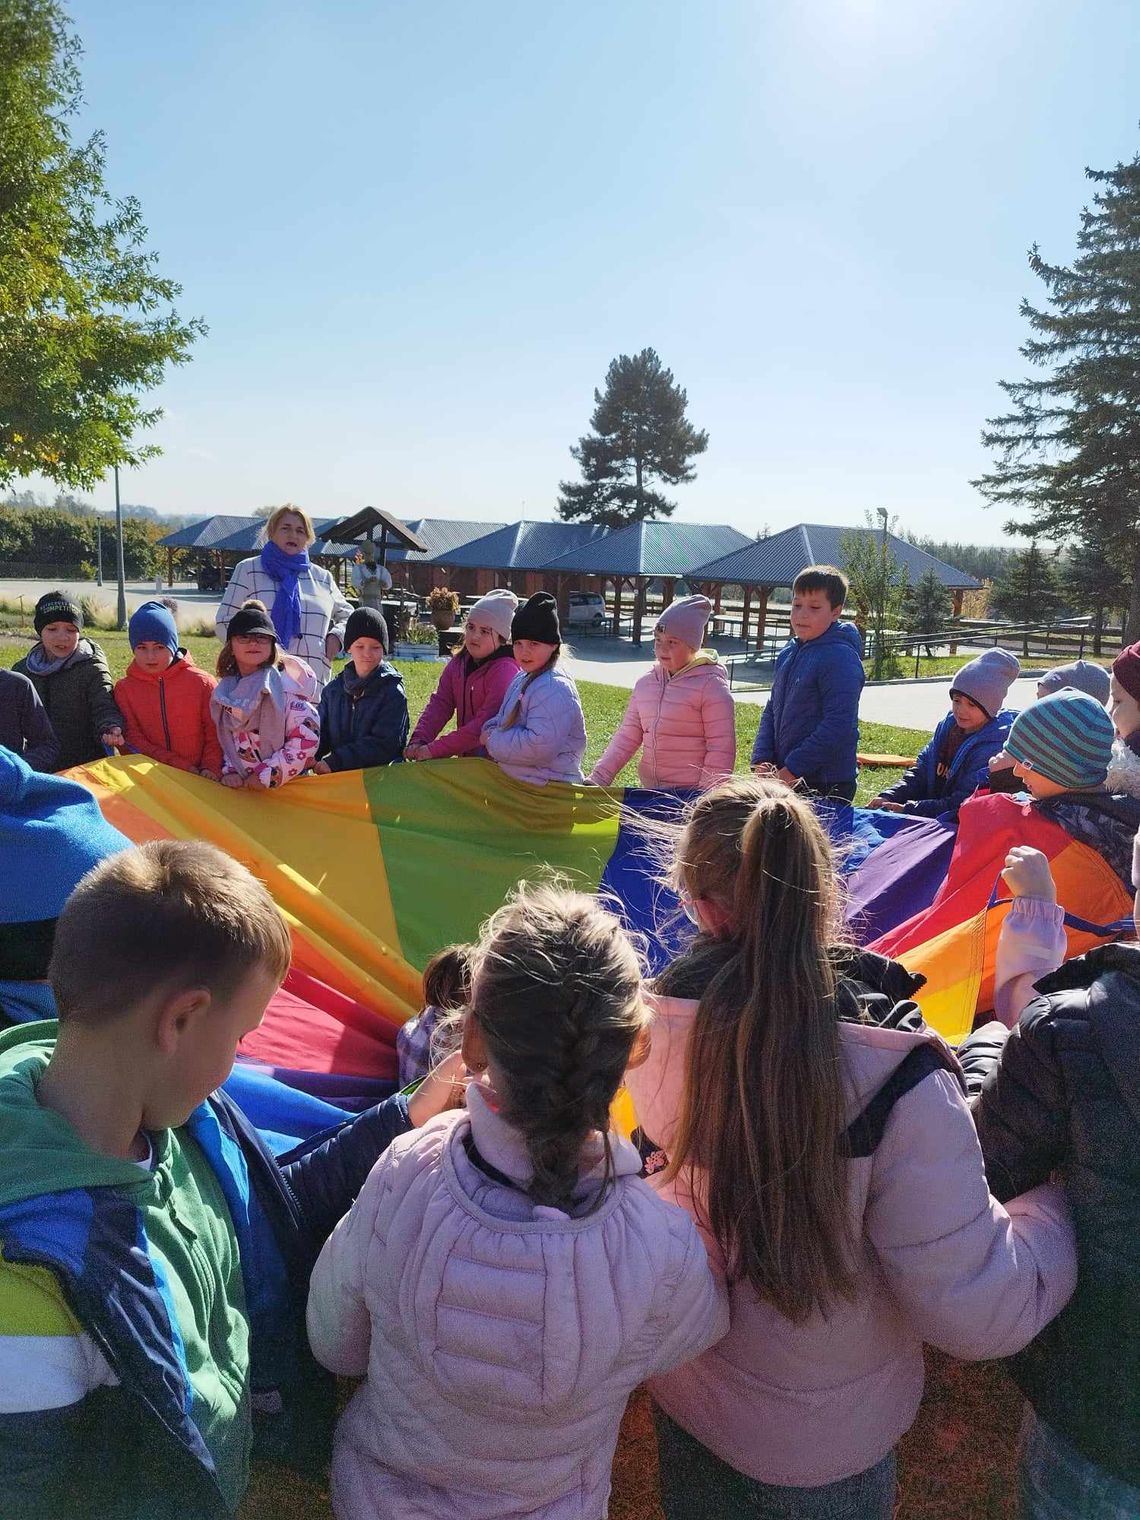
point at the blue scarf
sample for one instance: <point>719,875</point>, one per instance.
<point>285,570</point>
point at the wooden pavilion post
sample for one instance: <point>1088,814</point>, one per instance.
<point>762,617</point>
<point>956,608</point>
<point>640,586</point>
<point>746,613</point>
<point>619,581</point>
<point>667,590</point>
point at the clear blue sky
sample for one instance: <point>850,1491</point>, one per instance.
<point>419,231</point>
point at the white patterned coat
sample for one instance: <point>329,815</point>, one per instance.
<point>323,609</point>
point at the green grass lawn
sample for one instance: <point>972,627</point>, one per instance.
<point>603,705</point>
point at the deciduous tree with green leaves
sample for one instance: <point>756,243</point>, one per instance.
<point>1068,451</point>
<point>877,585</point>
<point>87,323</point>
<point>640,434</point>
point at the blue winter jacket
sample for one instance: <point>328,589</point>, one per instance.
<point>811,722</point>
<point>134,1449</point>
<point>923,792</point>
<point>363,722</point>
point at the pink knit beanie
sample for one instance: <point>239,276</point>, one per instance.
<point>686,620</point>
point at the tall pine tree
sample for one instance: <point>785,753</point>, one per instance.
<point>640,434</point>
<point>1028,592</point>
<point>1068,451</point>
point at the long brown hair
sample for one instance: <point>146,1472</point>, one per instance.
<point>556,996</point>
<point>513,716</point>
<point>764,1111</point>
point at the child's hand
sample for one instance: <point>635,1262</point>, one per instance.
<point>441,1089</point>
<point>113,738</point>
<point>785,775</point>
<point>1027,874</point>
<point>231,778</point>
<point>322,768</point>
<point>209,775</point>
<point>417,752</point>
<point>254,783</point>
<point>332,646</point>
<point>884,805</point>
<point>764,768</point>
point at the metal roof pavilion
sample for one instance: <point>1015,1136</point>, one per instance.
<point>776,561</point>
<point>520,546</point>
<point>439,534</point>
<point>205,533</point>
<point>650,550</point>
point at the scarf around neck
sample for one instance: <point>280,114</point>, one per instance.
<point>285,569</point>
<point>40,663</point>
<point>257,704</point>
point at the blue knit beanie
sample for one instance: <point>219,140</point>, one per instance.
<point>51,834</point>
<point>153,623</point>
<point>1066,737</point>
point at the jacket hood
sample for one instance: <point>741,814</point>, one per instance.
<point>846,633</point>
<point>42,1153</point>
<point>301,677</point>
<point>702,658</point>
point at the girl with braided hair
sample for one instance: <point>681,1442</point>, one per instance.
<point>505,1282</point>
<point>819,1133</point>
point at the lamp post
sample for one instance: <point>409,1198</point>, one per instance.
<point>122,607</point>
<point>98,550</point>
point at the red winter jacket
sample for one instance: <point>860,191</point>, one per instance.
<point>168,716</point>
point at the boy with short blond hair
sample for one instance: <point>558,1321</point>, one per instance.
<point>154,1255</point>
<point>809,729</point>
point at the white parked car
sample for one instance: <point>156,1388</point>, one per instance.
<point>587,607</point>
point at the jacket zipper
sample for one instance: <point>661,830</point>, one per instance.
<point>162,711</point>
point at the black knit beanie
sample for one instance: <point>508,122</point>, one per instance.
<point>537,619</point>
<point>56,607</point>
<point>366,623</point>
<point>252,618</point>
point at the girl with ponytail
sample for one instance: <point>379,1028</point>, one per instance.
<point>506,1280</point>
<point>818,1133</point>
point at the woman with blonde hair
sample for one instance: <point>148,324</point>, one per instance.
<point>308,611</point>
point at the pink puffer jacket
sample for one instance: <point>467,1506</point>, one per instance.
<point>942,1261</point>
<point>685,726</point>
<point>474,693</point>
<point>500,1339</point>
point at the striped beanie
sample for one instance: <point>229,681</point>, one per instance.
<point>1067,738</point>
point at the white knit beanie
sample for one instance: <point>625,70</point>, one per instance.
<point>496,609</point>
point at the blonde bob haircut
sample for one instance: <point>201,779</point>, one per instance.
<point>290,507</point>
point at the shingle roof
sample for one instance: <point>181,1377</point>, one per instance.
<point>776,561</point>
<point>520,546</point>
<point>440,534</point>
<point>651,549</point>
<point>205,533</point>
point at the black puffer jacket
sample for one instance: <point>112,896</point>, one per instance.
<point>1065,1096</point>
<point>80,703</point>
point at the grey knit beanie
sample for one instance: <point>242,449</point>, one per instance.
<point>987,679</point>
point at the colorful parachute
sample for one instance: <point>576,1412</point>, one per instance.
<point>375,870</point>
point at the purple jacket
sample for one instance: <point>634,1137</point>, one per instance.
<point>500,1339</point>
<point>473,691</point>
